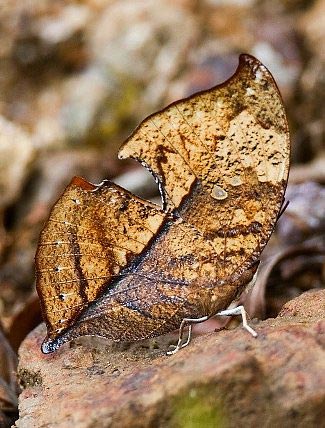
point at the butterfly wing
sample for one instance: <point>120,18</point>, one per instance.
<point>222,160</point>
<point>93,232</point>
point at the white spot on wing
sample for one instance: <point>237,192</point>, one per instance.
<point>219,193</point>
<point>259,76</point>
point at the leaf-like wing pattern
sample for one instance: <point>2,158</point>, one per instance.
<point>92,234</point>
<point>222,159</point>
<point>114,265</point>
<point>216,136</point>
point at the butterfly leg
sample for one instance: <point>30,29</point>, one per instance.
<point>184,323</point>
<point>239,310</point>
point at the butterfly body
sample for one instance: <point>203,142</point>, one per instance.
<point>117,266</point>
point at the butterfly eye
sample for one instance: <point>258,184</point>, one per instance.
<point>219,193</point>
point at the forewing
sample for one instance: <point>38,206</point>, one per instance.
<point>92,234</point>
<point>222,160</point>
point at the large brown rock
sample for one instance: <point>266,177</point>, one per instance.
<point>223,379</point>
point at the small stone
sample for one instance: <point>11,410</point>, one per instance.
<point>235,180</point>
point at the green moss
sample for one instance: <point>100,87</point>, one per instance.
<point>198,408</point>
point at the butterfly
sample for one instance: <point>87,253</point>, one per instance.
<point>111,264</point>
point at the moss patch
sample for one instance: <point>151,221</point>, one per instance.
<point>197,408</point>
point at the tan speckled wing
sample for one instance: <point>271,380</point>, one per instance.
<point>113,265</point>
<point>216,136</point>
<point>222,159</point>
<point>93,232</point>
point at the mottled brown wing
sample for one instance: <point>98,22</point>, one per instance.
<point>93,232</point>
<point>222,160</point>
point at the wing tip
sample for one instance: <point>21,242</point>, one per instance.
<point>245,58</point>
<point>254,65</point>
<point>51,345</point>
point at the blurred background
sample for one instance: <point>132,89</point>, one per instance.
<point>77,76</point>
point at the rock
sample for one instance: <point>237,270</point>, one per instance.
<point>224,379</point>
<point>310,112</point>
<point>304,216</point>
<point>143,43</point>
<point>16,153</point>
<point>140,38</point>
<point>38,30</point>
<point>312,25</point>
<point>72,71</point>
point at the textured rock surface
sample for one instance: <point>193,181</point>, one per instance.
<point>222,379</point>
<point>16,153</point>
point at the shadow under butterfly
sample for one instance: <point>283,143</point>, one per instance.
<point>114,265</point>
